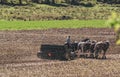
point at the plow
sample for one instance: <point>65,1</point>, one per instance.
<point>61,52</point>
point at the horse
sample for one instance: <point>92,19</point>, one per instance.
<point>101,46</point>
<point>72,47</point>
<point>86,39</point>
<point>87,46</point>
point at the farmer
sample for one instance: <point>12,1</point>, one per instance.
<point>68,41</point>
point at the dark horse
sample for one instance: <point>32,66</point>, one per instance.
<point>87,46</point>
<point>101,46</point>
<point>72,47</point>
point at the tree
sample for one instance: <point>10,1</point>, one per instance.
<point>20,2</point>
<point>67,1</point>
<point>74,2</point>
<point>114,21</point>
<point>47,1</point>
<point>110,1</point>
<point>53,2</point>
<point>36,1</point>
<point>3,1</point>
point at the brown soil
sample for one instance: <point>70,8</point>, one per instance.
<point>22,46</point>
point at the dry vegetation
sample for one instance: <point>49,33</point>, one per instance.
<point>75,68</point>
<point>18,54</point>
<point>47,12</point>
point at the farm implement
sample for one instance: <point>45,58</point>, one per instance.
<point>56,52</point>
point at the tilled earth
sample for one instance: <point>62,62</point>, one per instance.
<point>18,54</point>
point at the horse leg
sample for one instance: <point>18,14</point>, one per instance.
<point>78,53</point>
<point>96,54</point>
<point>91,55</point>
<point>82,51</point>
<point>87,55</point>
<point>104,54</point>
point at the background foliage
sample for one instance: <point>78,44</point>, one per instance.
<point>58,11</point>
<point>76,2</point>
<point>114,21</point>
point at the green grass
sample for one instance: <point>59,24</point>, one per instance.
<point>30,25</point>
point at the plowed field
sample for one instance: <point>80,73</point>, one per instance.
<point>18,54</point>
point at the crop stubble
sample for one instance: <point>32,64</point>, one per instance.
<point>18,54</point>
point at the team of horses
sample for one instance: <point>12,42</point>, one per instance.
<point>90,48</point>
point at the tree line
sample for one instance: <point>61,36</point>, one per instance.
<point>56,1</point>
